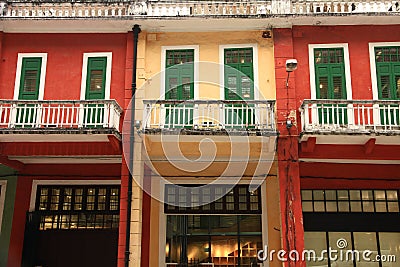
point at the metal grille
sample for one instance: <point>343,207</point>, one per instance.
<point>328,55</point>
<point>78,207</point>
<point>238,55</point>
<point>387,54</point>
<point>175,57</point>
<point>198,199</point>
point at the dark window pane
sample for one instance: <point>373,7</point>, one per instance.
<point>96,80</point>
<point>30,81</point>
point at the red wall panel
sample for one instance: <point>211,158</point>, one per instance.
<point>64,61</point>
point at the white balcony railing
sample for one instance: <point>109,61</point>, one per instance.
<point>123,8</point>
<point>209,114</point>
<point>65,114</point>
<point>351,116</point>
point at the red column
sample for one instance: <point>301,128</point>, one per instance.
<point>292,231</point>
<point>124,168</point>
<point>146,210</point>
<point>21,206</point>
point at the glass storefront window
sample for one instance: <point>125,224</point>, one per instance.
<point>315,241</point>
<point>333,243</point>
<point>220,239</point>
<point>390,245</point>
<point>366,241</point>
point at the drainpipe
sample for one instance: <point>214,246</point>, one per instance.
<point>136,30</point>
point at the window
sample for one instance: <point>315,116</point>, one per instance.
<point>195,199</point>
<point>239,73</point>
<point>179,74</point>
<point>96,76</point>
<point>388,71</point>
<point>225,240</point>
<point>385,72</point>
<point>329,71</point>
<point>30,76</point>
<point>350,200</point>
<point>78,207</point>
<point>383,244</point>
<point>230,236</point>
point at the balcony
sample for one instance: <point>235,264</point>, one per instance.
<point>114,14</point>
<point>210,116</point>
<point>182,136</point>
<point>59,120</point>
<point>356,120</point>
<point>62,8</point>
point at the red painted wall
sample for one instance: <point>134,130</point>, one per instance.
<point>64,61</point>
<point>48,172</point>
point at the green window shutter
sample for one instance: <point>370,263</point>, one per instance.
<point>388,72</point>
<point>330,79</point>
<point>30,78</point>
<point>239,74</point>
<point>96,78</point>
<point>179,74</point>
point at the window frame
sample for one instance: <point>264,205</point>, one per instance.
<point>255,67</point>
<point>347,71</point>
<point>18,73</point>
<point>3,190</point>
<point>164,50</point>
<point>107,87</point>
<point>37,183</point>
<point>374,80</point>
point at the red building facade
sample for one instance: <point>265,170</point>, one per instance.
<point>66,197</point>
<point>341,163</point>
<point>65,152</point>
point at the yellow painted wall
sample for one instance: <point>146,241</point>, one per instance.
<point>149,62</point>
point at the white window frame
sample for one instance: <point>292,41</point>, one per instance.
<point>349,91</point>
<point>222,69</point>
<point>36,183</point>
<point>346,58</point>
<point>164,50</point>
<point>374,80</point>
<point>3,185</point>
<point>42,81</point>
<point>107,88</point>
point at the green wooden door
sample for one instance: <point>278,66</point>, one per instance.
<point>27,115</point>
<point>388,78</point>
<point>95,90</point>
<point>330,83</point>
<point>239,85</point>
<point>179,78</point>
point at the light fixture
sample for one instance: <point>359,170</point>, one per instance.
<point>137,124</point>
<point>291,65</point>
<point>266,34</point>
<point>289,123</point>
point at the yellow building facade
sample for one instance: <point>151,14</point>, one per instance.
<point>192,144</point>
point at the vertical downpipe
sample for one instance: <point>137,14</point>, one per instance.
<point>136,30</point>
